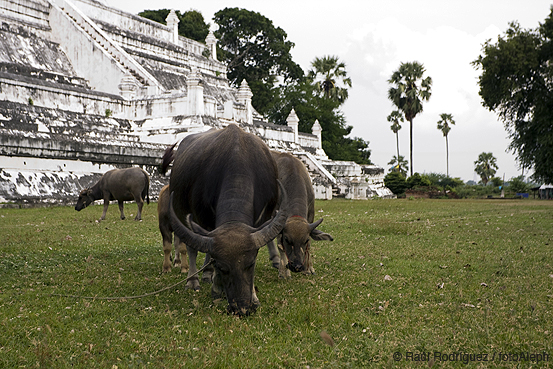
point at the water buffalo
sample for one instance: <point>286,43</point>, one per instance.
<point>295,239</point>
<point>224,185</point>
<point>121,185</point>
<point>166,230</point>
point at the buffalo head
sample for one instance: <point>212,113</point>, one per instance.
<point>296,241</point>
<point>234,247</point>
<point>85,199</point>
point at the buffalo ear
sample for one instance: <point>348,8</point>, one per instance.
<point>320,236</point>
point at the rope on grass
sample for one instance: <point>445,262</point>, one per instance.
<point>139,296</point>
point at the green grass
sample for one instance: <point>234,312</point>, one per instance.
<point>465,276</point>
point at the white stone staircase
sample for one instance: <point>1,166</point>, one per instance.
<point>122,59</point>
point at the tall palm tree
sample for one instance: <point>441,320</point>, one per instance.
<point>395,118</point>
<point>409,91</point>
<point>486,166</point>
<point>330,78</point>
<point>444,124</point>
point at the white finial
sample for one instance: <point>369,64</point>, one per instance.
<point>211,42</point>
<point>173,23</point>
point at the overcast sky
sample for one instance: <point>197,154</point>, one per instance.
<point>373,38</point>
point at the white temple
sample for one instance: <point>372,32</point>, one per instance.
<point>85,88</point>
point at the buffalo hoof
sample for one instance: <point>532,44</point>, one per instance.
<point>193,284</point>
<point>207,277</point>
<point>285,275</point>
<point>166,269</point>
<point>276,262</point>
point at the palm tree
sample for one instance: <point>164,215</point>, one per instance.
<point>408,94</point>
<point>329,75</point>
<point>486,166</point>
<point>444,124</point>
<point>399,165</point>
<point>395,118</point>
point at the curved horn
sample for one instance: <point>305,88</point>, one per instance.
<point>314,225</point>
<point>197,242</point>
<point>195,227</point>
<point>270,231</point>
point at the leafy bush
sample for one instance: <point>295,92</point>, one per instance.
<point>396,182</point>
<point>416,180</point>
<point>517,185</point>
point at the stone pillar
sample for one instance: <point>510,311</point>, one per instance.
<point>128,87</point>
<point>293,121</point>
<point>244,96</point>
<point>317,130</point>
<point>211,43</point>
<point>173,23</point>
<point>195,93</point>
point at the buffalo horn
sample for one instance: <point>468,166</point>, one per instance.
<point>314,225</point>
<point>197,242</point>
<point>268,232</point>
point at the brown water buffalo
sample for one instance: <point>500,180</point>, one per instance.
<point>295,239</point>
<point>166,230</point>
<point>121,185</point>
<point>225,187</point>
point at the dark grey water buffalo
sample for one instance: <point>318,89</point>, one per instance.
<point>166,230</point>
<point>224,185</point>
<point>295,240</point>
<point>121,185</point>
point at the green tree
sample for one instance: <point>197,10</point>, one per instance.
<point>330,78</point>
<point>257,51</point>
<point>486,166</point>
<point>310,105</point>
<point>396,118</point>
<point>409,91</point>
<point>444,125</point>
<point>396,182</point>
<point>517,185</point>
<point>399,165</point>
<point>191,23</point>
<point>516,84</point>
<point>442,180</point>
<point>417,180</point>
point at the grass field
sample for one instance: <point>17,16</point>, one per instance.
<point>433,283</point>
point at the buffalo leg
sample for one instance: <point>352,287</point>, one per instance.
<point>283,272</point>
<point>106,204</point>
<point>167,247</point>
<point>193,283</point>
<point>207,276</point>
<point>121,204</point>
<point>217,291</point>
<point>181,258</point>
<point>255,300</point>
<point>140,204</point>
<point>308,264</point>
<point>273,254</point>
